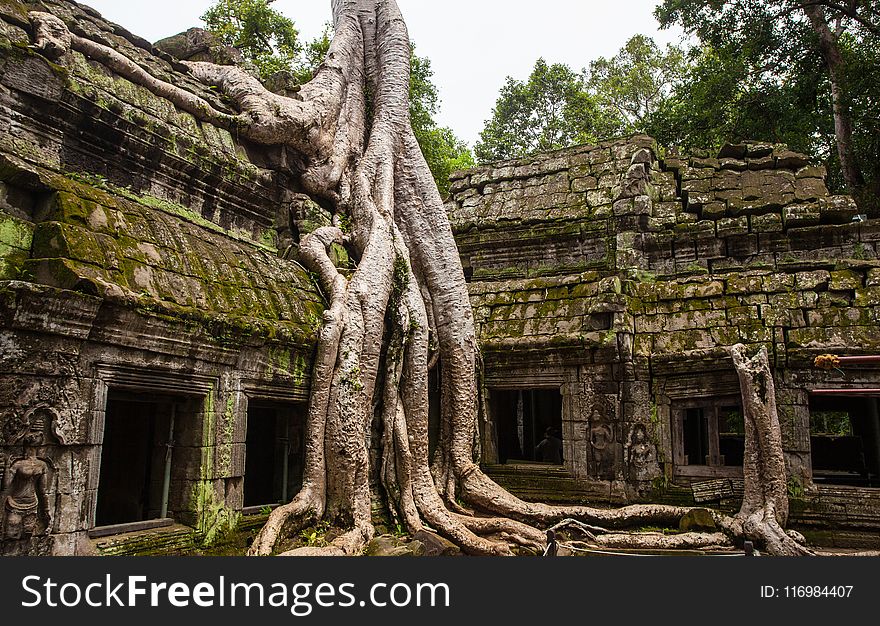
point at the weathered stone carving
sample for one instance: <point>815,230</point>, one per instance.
<point>60,403</point>
<point>51,35</point>
<point>602,450</point>
<point>641,459</point>
<point>25,502</point>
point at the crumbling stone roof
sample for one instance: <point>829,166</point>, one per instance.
<point>114,192</point>
<point>682,253</point>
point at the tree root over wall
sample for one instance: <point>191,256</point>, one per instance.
<point>406,304</point>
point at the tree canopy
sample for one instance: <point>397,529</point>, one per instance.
<point>558,107</point>
<point>796,71</point>
<point>799,72</point>
<point>551,109</point>
<point>264,36</point>
<point>633,85</point>
<point>270,41</point>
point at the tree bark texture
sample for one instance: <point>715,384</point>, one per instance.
<point>350,126</point>
<point>843,126</point>
<point>764,511</point>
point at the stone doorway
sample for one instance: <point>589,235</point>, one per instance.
<point>275,454</point>
<point>136,458</point>
<point>523,418</point>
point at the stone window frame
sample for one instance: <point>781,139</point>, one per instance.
<point>137,379</point>
<point>864,390</point>
<point>556,378</point>
<point>678,409</point>
<point>296,398</point>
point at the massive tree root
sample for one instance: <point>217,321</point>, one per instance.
<point>351,131</point>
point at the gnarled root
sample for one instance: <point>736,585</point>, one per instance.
<point>283,522</point>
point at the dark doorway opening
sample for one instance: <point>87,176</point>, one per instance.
<point>275,454</point>
<point>135,463</point>
<point>523,418</point>
<point>845,440</point>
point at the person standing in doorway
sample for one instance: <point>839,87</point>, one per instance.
<point>550,448</point>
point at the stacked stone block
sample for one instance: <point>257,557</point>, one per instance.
<point>137,255</point>
<point>699,252</point>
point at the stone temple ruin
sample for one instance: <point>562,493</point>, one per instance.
<point>156,336</point>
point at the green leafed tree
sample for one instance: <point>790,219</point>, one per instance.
<point>724,97</point>
<point>264,36</point>
<point>552,109</point>
<point>804,77</point>
<point>634,84</point>
<point>312,56</point>
<point>443,151</point>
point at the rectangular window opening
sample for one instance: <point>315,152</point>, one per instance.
<point>845,439</point>
<point>731,436</point>
<point>275,454</point>
<point>135,488</point>
<point>708,437</point>
<point>529,425</point>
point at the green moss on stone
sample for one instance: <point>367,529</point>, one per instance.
<point>14,232</point>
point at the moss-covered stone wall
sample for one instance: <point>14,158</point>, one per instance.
<point>138,258</point>
<point>621,273</point>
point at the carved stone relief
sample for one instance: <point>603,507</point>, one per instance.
<point>600,414</point>
<point>60,403</point>
<point>641,459</point>
<point>24,500</point>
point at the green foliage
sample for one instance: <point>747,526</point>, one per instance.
<point>830,423</point>
<point>732,423</point>
<point>445,153</point>
<point>658,529</point>
<point>755,75</point>
<point>550,110</point>
<point>661,484</point>
<point>263,35</point>
<point>314,537</point>
<point>558,107</point>
<point>90,179</point>
<point>400,279</point>
<point>759,73</point>
<point>631,86</point>
<point>400,531</point>
<point>312,56</point>
<point>795,488</point>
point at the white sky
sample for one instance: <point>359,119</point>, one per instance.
<point>473,44</point>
